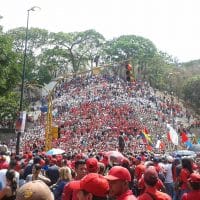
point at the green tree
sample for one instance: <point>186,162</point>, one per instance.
<point>9,66</point>
<point>161,72</point>
<point>9,78</point>
<point>79,47</point>
<point>138,50</point>
<point>9,105</point>
<point>130,46</point>
<point>1,28</point>
<point>156,72</point>
<point>191,91</point>
<point>37,41</point>
<point>52,61</point>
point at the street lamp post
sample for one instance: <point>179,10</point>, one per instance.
<point>34,8</point>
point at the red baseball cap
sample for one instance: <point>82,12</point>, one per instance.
<point>93,183</point>
<point>92,165</point>
<point>118,173</point>
<point>194,178</point>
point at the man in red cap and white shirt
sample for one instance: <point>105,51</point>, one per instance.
<point>151,193</point>
<point>119,178</point>
<point>194,182</point>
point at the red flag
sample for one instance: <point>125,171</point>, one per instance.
<point>145,130</point>
<point>162,145</point>
<point>149,148</point>
<point>184,137</point>
<point>144,140</point>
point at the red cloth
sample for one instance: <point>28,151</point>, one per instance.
<point>69,194</point>
<point>139,170</point>
<point>168,137</point>
<point>4,165</point>
<point>149,148</point>
<point>195,194</point>
<point>162,145</point>
<point>184,137</point>
<point>128,195</point>
<point>154,192</point>
<point>184,175</point>
<point>18,167</point>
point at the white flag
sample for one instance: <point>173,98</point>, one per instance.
<point>173,134</point>
<point>158,144</point>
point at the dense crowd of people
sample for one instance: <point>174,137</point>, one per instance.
<point>144,175</point>
<point>109,130</point>
<point>91,112</point>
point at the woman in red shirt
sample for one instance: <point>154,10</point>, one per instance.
<point>184,175</point>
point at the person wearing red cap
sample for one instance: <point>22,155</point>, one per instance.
<point>9,191</point>
<point>119,178</point>
<point>12,165</point>
<point>81,171</point>
<point>184,175</point>
<point>139,169</point>
<point>90,187</point>
<point>194,182</point>
<point>92,165</point>
<point>151,193</point>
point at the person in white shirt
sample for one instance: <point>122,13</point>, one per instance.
<point>169,182</point>
<point>12,165</point>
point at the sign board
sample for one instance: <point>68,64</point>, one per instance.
<point>21,121</point>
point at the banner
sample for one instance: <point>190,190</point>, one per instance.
<point>21,122</point>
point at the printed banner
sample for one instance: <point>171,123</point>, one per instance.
<point>21,122</point>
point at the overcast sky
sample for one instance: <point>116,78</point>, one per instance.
<point>172,25</point>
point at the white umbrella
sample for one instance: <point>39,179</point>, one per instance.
<point>54,151</point>
<point>115,154</point>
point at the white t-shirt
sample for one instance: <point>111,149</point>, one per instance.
<point>3,177</point>
<point>169,175</point>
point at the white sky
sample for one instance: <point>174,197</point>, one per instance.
<point>172,25</point>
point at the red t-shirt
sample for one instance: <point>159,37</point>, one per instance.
<point>4,165</point>
<point>155,193</point>
<point>193,195</point>
<point>69,194</point>
<point>139,170</point>
<point>128,195</point>
<point>184,175</point>
<point>141,185</point>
